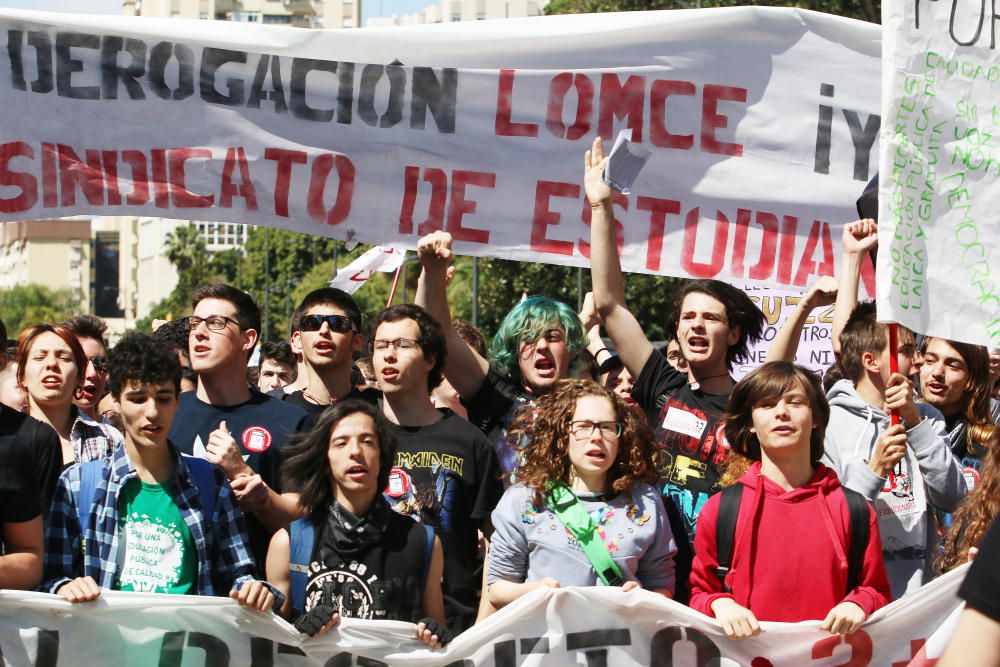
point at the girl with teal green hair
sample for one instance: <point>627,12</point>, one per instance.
<point>515,344</point>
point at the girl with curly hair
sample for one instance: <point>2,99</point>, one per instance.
<point>793,521</point>
<point>974,516</point>
<point>590,452</point>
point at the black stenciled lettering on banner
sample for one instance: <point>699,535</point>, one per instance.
<point>277,92</point>
<point>591,642</point>
<point>534,645</point>
<point>824,132</point>
<point>211,61</point>
<point>370,77</point>
<point>661,647</point>
<point>113,73</point>
<point>440,95</point>
<point>172,649</point>
<point>505,653</point>
<point>862,137</point>
<point>159,58</point>
<point>301,67</point>
<point>262,651</point>
<point>48,648</point>
<point>42,45</point>
<point>66,65</point>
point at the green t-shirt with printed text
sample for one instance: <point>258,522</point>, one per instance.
<point>159,552</point>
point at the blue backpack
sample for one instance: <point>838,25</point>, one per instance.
<point>301,535</point>
<point>201,471</point>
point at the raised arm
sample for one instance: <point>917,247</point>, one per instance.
<point>591,322</point>
<point>786,342</point>
<point>464,367</point>
<point>859,237</point>
<point>606,270</point>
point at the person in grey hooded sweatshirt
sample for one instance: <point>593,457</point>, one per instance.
<point>906,470</point>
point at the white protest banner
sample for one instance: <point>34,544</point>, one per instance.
<point>580,626</point>
<point>815,350</point>
<point>762,123</point>
<point>938,189</point>
<point>357,273</point>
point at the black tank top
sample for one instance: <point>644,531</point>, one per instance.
<point>384,583</point>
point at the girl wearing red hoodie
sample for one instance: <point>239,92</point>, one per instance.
<point>791,544</point>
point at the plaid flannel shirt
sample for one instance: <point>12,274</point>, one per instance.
<point>220,543</point>
<point>91,439</point>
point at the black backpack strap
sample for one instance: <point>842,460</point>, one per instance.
<point>858,511</point>
<point>725,530</point>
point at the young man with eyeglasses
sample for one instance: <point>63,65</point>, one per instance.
<point>326,329</point>
<point>239,430</point>
<point>446,472</point>
<point>90,331</point>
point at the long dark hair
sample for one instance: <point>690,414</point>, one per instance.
<point>307,467</point>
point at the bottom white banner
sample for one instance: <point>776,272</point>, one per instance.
<point>592,627</point>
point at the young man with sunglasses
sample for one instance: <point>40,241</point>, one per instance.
<point>239,430</point>
<point>446,472</point>
<point>326,330</point>
<point>90,331</point>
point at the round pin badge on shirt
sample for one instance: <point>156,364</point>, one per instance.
<point>256,439</point>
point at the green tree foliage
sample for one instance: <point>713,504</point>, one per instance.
<point>26,305</point>
<point>865,10</point>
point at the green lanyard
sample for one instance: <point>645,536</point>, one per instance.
<point>570,511</point>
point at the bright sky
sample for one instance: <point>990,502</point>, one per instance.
<point>368,7</point>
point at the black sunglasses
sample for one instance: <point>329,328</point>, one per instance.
<point>338,323</point>
<point>100,363</point>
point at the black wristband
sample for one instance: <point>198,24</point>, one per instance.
<point>612,363</point>
<point>603,349</point>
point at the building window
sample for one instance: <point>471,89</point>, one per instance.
<point>277,19</point>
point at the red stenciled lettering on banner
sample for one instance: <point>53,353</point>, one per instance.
<point>140,178</point>
<point>618,199</point>
<point>283,177</point>
<point>712,120</point>
<point>544,218</point>
<point>237,157</point>
<point>658,209</point>
<point>688,262</point>
<point>624,101</point>
<point>860,643</point>
<point>504,126</point>
<point>181,196</point>
<point>558,88</point>
<point>786,248</point>
<point>761,661</point>
<point>918,655</point>
<point>321,168</point>
<point>808,266</point>
<point>50,188</point>
<point>27,183</point>
<point>161,186</point>
<point>109,160</point>
<point>458,205</point>
<point>73,172</point>
<point>659,135</point>
<point>438,181</point>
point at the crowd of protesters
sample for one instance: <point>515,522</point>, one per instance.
<point>459,475</point>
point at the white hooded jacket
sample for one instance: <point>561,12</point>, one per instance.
<point>929,475</point>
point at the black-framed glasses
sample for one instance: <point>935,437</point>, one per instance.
<point>213,322</point>
<point>584,428</point>
<point>381,345</point>
<point>100,363</point>
<point>338,323</point>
